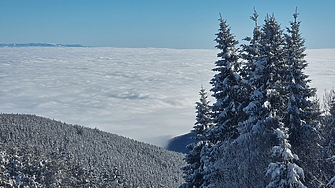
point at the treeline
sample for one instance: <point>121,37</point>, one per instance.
<point>40,152</point>
<point>265,127</point>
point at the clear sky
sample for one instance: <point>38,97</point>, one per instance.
<point>155,23</point>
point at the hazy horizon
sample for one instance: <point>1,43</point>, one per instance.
<point>80,45</point>
<point>156,24</point>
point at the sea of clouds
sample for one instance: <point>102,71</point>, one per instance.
<point>147,94</point>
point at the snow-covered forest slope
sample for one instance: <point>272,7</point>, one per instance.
<point>41,152</point>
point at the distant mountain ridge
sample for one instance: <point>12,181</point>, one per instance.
<point>40,152</point>
<point>179,143</point>
<point>40,45</point>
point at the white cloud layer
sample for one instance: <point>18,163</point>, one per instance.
<point>146,94</point>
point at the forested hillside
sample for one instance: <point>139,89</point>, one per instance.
<point>40,152</point>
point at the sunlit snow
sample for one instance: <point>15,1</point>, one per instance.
<point>146,94</point>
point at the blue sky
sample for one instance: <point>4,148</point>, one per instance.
<point>155,23</point>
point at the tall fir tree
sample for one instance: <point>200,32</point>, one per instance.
<point>301,116</point>
<point>265,79</point>
<point>263,76</point>
<point>251,52</point>
<point>226,87</point>
<point>273,60</point>
<point>227,111</point>
<point>194,170</point>
<point>298,90</point>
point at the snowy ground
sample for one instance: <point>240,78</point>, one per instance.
<point>145,94</point>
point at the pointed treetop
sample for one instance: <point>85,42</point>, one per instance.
<point>202,90</point>
<point>221,20</point>
<point>254,17</point>
<point>295,15</point>
<point>267,18</point>
<point>220,16</point>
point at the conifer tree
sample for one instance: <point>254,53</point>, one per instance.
<point>226,87</point>
<point>329,103</point>
<point>227,109</point>
<point>265,80</point>
<point>263,76</point>
<point>203,117</point>
<point>284,172</point>
<point>273,58</point>
<point>332,105</point>
<point>297,87</point>
<point>301,114</point>
<point>251,52</point>
<point>261,106</point>
<point>194,170</point>
<point>328,135</point>
<point>328,129</point>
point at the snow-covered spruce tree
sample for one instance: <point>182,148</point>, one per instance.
<point>227,109</point>
<point>329,103</point>
<point>226,88</point>
<point>263,76</point>
<point>194,170</point>
<point>284,172</point>
<point>251,52</point>
<point>273,60</point>
<point>332,104</point>
<point>203,117</point>
<point>231,162</point>
<point>328,123</point>
<point>328,128</point>
<point>301,117</point>
<point>298,90</point>
<point>265,79</point>
<point>328,135</point>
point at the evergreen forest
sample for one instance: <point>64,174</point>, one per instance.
<point>265,127</point>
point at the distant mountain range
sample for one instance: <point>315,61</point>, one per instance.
<point>179,143</point>
<point>40,152</point>
<point>40,45</point>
